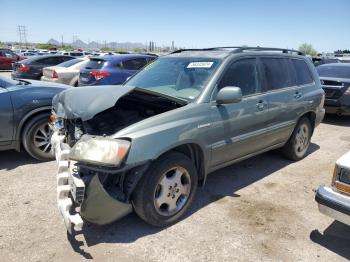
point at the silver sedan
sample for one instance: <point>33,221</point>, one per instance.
<point>65,73</point>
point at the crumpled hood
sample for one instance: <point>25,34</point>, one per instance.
<point>86,101</point>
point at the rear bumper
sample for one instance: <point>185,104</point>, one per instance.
<point>20,75</point>
<point>49,79</point>
<point>96,205</point>
<point>333,204</point>
<point>319,116</point>
<point>339,106</point>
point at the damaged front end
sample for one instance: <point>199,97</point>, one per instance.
<point>94,180</point>
<point>87,189</point>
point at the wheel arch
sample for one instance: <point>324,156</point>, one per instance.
<point>312,117</point>
<point>194,152</point>
<point>30,115</point>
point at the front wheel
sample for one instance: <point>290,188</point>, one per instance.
<point>166,190</point>
<point>299,142</point>
<point>36,138</point>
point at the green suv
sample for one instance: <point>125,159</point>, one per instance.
<point>146,145</point>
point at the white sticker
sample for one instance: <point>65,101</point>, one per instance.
<point>200,65</point>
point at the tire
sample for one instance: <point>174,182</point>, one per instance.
<point>296,147</point>
<point>170,179</point>
<point>37,132</point>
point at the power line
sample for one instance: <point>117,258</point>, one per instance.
<point>22,31</point>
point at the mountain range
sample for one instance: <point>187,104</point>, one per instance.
<point>115,45</point>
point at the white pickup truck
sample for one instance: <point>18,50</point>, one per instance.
<point>334,201</point>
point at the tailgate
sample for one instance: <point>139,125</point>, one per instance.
<point>85,77</point>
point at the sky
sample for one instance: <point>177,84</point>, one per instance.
<point>189,23</point>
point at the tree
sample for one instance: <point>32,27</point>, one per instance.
<point>307,49</point>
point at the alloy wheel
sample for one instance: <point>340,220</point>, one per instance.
<point>172,191</point>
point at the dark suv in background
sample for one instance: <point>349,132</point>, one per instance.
<point>146,145</point>
<point>112,69</point>
<point>335,80</point>
<point>32,68</point>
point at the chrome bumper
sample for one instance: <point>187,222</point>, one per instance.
<point>333,204</point>
<point>65,181</point>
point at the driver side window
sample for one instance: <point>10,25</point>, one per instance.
<point>242,74</point>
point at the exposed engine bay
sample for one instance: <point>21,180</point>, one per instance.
<point>129,109</point>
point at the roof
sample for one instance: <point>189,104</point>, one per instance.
<point>121,57</point>
<point>336,64</point>
<point>39,57</point>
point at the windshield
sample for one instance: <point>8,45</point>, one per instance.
<point>178,77</point>
<point>70,62</point>
<point>334,71</point>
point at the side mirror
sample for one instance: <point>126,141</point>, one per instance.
<point>229,95</point>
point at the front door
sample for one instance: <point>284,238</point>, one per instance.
<point>237,129</point>
<point>6,117</point>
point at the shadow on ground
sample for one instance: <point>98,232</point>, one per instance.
<point>222,183</point>
<point>335,238</point>
<point>12,159</point>
<point>336,120</point>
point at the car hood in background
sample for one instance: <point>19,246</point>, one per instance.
<point>86,101</point>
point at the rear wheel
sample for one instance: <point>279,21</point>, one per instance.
<point>299,142</point>
<point>166,190</point>
<point>36,138</point>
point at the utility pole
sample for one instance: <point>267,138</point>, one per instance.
<point>22,31</point>
<point>62,41</point>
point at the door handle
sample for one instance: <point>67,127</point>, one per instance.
<point>298,95</point>
<point>260,105</point>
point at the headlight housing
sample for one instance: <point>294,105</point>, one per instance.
<point>344,176</point>
<point>100,150</point>
<point>341,179</point>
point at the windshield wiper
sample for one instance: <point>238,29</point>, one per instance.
<point>23,82</point>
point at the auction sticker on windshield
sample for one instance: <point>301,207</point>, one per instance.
<point>200,65</point>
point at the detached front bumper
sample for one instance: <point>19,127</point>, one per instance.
<point>64,200</point>
<point>93,203</point>
<point>333,204</point>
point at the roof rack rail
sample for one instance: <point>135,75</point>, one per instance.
<point>258,48</point>
<point>240,49</point>
<point>193,49</point>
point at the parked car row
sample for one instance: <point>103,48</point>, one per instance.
<point>189,113</point>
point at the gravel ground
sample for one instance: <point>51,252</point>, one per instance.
<point>259,209</point>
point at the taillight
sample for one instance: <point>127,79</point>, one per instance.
<point>54,74</point>
<point>23,68</point>
<point>52,119</point>
<point>99,74</point>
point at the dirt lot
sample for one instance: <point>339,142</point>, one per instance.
<point>260,209</point>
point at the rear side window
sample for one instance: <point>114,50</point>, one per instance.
<point>48,61</point>
<point>70,62</point>
<point>95,64</point>
<point>276,73</point>
<point>134,64</point>
<point>302,71</point>
<point>242,74</point>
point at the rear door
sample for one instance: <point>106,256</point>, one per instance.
<point>6,117</point>
<point>238,129</point>
<point>284,97</point>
